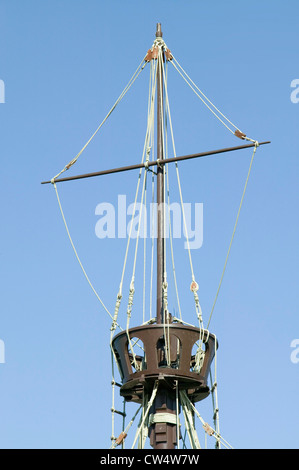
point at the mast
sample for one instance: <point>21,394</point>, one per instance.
<point>160,188</point>
<point>169,375</point>
<point>163,435</point>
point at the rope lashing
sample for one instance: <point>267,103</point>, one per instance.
<point>116,310</point>
<point>194,288</point>
<point>129,313</point>
<point>162,418</point>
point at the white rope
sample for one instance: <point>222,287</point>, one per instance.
<point>177,410</point>
<point>148,133</point>
<point>153,199</point>
<point>154,392</point>
<point>202,99</point>
<point>152,248</point>
<point>144,257</point>
<point>233,125</point>
<point>113,397</point>
<point>129,425</point>
<point>132,290</point>
<point>189,421</point>
<point>171,247</point>
<point>194,283</point>
<point>186,77</point>
<point>179,184</point>
<point>77,256</point>
<point>214,395</point>
<point>126,89</point>
<point>213,431</point>
<point>168,202</point>
<point>160,69</point>
<point>234,231</point>
<point>144,427</point>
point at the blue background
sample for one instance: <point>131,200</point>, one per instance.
<point>64,63</point>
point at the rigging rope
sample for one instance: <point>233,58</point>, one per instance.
<point>169,218</point>
<point>234,231</point>
<point>186,80</point>
<point>132,289</point>
<point>191,408</point>
<point>186,77</point>
<point>77,256</point>
<point>194,286</point>
<point>187,406</point>
<point>214,395</point>
<point>125,431</point>
<point>149,404</point>
<point>203,97</point>
<point>148,133</point>
<point>126,89</point>
<point>123,93</point>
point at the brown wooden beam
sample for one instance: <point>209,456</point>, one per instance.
<point>154,163</point>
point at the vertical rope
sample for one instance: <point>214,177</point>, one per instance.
<point>119,295</point>
<point>177,406</point>
<point>197,306</point>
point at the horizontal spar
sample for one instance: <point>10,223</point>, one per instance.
<point>160,162</point>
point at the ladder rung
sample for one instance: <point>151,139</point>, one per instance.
<point>118,412</point>
<point>116,383</point>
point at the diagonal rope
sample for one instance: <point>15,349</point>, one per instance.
<point>214,433</point>
<point>233,234</point>
<point>200,91</point>
<point>77,256</point>
<point>149,404</point>
<point>192,88</point>
<point>148,133</point>
<point>126,89</point>
<point>203,97</point>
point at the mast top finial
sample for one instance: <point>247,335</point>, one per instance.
<point>159,33</point>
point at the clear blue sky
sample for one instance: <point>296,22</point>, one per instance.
<point>63,64</point>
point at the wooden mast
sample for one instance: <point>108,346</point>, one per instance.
<point>163,435</point>
<point>160,188</point>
